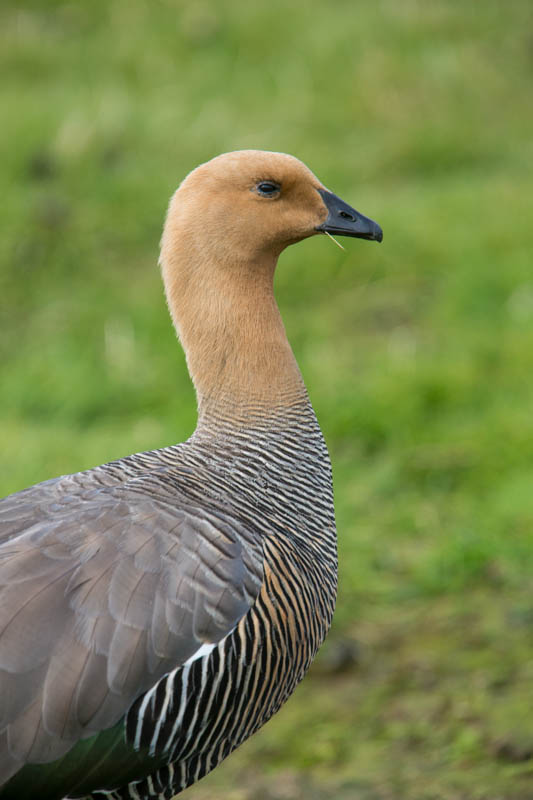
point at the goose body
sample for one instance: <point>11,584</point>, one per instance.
<point>157,610</point>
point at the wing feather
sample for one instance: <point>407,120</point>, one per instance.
<point>102,591</point>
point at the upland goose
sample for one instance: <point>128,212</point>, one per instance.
<point>157,610</point>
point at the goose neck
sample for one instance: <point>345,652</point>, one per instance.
<point>229,324</point>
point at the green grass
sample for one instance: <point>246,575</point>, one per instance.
<point>418,354</point>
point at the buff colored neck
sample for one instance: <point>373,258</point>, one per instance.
<point>227,319</point>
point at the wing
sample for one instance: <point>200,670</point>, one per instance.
<point>102,592</point>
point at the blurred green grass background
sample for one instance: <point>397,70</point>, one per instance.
<point>418,354</point>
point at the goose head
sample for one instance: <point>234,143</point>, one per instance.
<point>249,203</point>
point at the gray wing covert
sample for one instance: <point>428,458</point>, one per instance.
<point>101,594</point>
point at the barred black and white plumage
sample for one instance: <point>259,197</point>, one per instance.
<point>201,711</point>
<point>156,611</point>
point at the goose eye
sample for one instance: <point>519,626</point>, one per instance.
<point>268,188</point>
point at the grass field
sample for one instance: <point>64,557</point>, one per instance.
<point>418,354</point>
